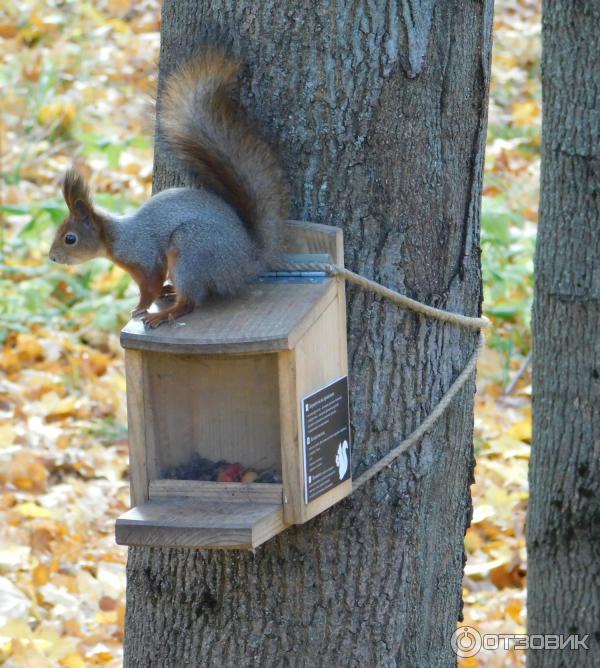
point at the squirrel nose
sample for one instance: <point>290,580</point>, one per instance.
<point>53,258</point>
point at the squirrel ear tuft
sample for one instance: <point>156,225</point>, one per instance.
<point>76,193</point>
<point>82,208</point>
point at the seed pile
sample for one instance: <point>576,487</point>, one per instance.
<point>201,468</point>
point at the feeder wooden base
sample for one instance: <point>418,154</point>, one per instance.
<point>207,515</point>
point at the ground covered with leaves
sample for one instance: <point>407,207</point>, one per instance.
<point>76,80</point>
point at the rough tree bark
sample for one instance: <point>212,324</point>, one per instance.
<point>379,110</point>
<point>563,523</point>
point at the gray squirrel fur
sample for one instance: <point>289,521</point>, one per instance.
<point>208,240</point>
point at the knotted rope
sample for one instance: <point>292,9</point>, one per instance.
<point>422,309</point>
<point>392,295</point>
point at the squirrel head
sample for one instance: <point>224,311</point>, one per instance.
<point>81,235</point>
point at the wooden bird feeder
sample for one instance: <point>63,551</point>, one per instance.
<point>259,381</point>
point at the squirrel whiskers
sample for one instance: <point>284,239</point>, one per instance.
<point>212,239</point>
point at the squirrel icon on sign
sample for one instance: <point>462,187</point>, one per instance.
<point>341,459</point>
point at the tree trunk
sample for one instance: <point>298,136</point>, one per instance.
<point>379,110</point>
<point>563,524</point>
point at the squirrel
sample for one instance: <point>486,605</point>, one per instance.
<point>207,240</point>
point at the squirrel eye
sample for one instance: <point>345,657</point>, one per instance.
<point>70,239</point>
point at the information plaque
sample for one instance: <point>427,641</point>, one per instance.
<point>326,438</point>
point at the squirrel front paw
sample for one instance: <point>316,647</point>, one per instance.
<point>153,320</point>
<point>179,308</point>
<point>138,312</point>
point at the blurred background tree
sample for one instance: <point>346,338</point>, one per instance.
<point>563,522</point>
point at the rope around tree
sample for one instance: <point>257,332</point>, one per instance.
<point>425,310</point>
<point>416,435</point>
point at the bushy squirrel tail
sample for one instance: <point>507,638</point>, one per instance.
<point>202,120</point>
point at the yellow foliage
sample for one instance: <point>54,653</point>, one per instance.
<point>525,113</point>
<point>73,661</point>
<point>521,430</point>
<point>8,434</point>
<point>8,30</point>
<point>515,610</point>
<point>107,282</point>
<point>40,575</point>
<point>25,472</point>
<point>28,348</point>
<point>59,114</point>
<point>468,662</point>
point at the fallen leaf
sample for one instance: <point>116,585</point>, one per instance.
<point>30,509</point>
<point>13,603</point>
